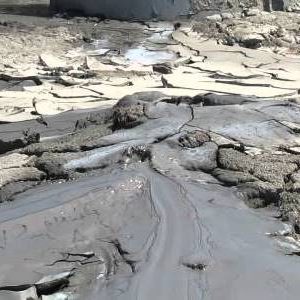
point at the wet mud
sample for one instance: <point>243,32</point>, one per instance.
<point>165,168</point>
<point>155,198</point>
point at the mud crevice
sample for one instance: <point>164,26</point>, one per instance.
<point>124,255</point>
<point>195,266</point>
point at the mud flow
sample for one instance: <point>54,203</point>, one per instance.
<point>148,160</point>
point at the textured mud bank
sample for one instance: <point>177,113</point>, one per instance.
<point>148,200</point>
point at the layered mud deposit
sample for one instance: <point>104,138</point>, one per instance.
<point>146,201</point>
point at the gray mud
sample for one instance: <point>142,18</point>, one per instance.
<point>153,199</point>
<point>158,197</point>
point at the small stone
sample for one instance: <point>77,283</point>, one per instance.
<point>214,18</point>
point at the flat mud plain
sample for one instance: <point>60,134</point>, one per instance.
<point>142,162</point>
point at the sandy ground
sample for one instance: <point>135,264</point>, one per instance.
<point>186,188</point>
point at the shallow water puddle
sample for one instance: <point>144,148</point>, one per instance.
<point>145,56</point>
<point>148,57</point>
<point>101,47</point>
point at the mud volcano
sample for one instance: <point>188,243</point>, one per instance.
<point>127,9</point>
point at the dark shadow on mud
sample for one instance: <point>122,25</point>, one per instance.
<point>34,10</point>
